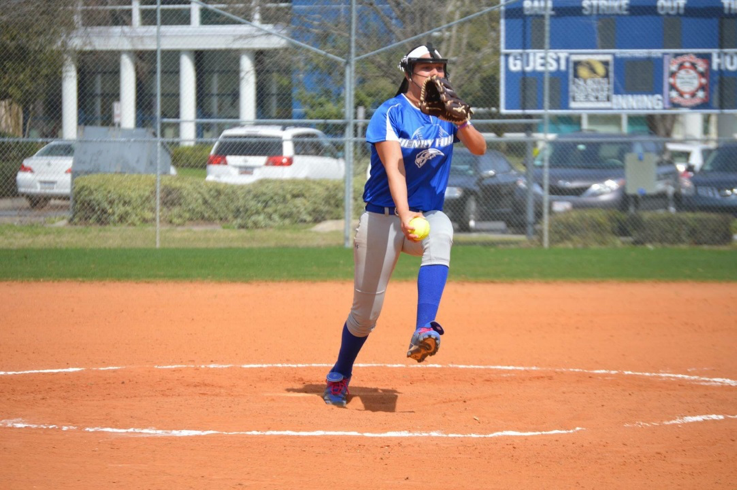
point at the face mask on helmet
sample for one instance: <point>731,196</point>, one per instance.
<point>419,55</point>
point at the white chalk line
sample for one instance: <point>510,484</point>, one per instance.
<point>684,420</point>
<point>682,377</point>
<point>20,424</point>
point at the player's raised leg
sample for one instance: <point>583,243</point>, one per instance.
<point>431,280</point>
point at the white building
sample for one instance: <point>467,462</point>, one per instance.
<point>111,79</point>
<point>217,68</point>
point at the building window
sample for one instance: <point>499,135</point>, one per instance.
<point>99,87</point>
<point>173,12</point>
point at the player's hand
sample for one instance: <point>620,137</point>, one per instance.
<point>406,228</point>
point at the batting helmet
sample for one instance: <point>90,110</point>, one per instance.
<point>415,55</point>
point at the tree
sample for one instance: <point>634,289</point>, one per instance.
<point>33,37</point>
<point>471,46</point>
<point>661,124</point>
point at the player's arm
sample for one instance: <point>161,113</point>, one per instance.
<point>391,156</point>
<point>472,139</point>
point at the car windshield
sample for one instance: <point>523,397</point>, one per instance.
<point>62,150</point>
<point>249,145</point>
<point>722,160</point>
<point>463,163</point>
<point>586,154</point>
<point>680,156</point>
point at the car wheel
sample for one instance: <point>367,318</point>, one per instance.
<point>470,215</point>
<point>38,202</point>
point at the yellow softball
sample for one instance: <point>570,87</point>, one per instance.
<point>421,227</point>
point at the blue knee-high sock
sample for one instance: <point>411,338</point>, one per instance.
<point>350,346</point>
<point>430,284</point>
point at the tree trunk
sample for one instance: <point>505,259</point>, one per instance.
<point>661,124</point>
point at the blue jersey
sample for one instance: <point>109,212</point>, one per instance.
<point>427,149</point>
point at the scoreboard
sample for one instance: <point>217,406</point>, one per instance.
<point>623,56</point>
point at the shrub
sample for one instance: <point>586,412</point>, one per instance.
<point>12,154</point>
<point>596,227</point>
<point>272,203</point>
<point>682,229</point>
<point>190,156</point>
<point>8,171</point>
<point>585,228</point>
<point>189,200</point>
<point>113,199</point>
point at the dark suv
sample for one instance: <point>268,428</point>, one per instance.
<point>587,170</point>
<point>484,188</point>
<point>713,189</point>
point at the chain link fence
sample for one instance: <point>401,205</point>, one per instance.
<point>183,123</point>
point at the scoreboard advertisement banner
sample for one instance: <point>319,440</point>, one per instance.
<point>624,56</point>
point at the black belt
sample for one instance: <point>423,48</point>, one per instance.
<point>386,210</point>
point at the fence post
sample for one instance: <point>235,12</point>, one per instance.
<point>349,131</point>
<point>530,181</point>
<point>158,123</point>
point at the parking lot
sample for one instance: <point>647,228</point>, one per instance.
<point>16,210</point>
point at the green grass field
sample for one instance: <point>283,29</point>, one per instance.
<point>469,263</point>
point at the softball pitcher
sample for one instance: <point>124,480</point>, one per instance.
<point>410,161</point>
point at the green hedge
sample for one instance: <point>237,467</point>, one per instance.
<point>585,228</point>
<point>11,156</point>
<point>106,199</point>
<point>596,227</point>
<point>114,199</point>
<point>681,228</point>
<point>190,156</point>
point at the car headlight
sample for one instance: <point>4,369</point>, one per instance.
<point>603,188</point>
<point>453,192</point>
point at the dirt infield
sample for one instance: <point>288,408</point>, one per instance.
<point>215,386</point>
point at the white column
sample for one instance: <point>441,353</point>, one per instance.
<point>247,87</point>
<point>194,14</point>
<point>69,99</point>
<point>726,126</point>
<point>77,16</point>
<point>693,126</point>
<point>127,90</point>
<point>136,13</point>
<point>256,12</point>
<point>187,98</point>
